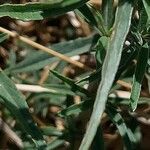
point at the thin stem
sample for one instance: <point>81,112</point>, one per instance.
<point>43,48</point>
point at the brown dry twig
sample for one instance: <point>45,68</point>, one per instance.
<point>43,48</point>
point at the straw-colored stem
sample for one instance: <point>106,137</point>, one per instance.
<point>43,48</point>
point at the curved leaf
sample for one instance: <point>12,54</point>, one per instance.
<point>39,11</point>
<point>113,55</point>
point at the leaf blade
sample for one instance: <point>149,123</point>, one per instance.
<point>128,137</point>
<point>37,60</point>
<point>121,28</point>
<point>3,37</point>
<point>147,8</point>
<point>138,77</point>
<point>39,10</point>
<point>16,103</point>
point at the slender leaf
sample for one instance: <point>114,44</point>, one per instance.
<point>113,55</point>
<point>17,105</point>
<point>51,131</point>
<point>98,142</point>
<point>86,13</point>
<point>3,37</point>
<point>142,20</point>
<point>71,83</point>
<point>138,76</point>
<point>39,11</point>
<point>55,144</point>
<point>55,99</point>
<point>88,104</point>
<point>128,55</point>
<point>126,134</point>
<point>120,101</point>
<point>59,89</point>
<point>93,17</point>
<point>101,49</point>
<point>36,60</point>
<point>107,11</point>
<point>76,108</point>
<point>147,8</point>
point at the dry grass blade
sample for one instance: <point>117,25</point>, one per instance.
<point>33,88</point>
<point>12,136</point>
<point>43,48</point>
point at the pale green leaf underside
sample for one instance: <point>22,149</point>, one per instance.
<point>114,50</point>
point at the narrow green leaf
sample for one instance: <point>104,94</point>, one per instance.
<point>142,21</point>
<point>59,89</point>
<point>86,13</point>
<point>98,142</point>
<point>50,131</point>
<point>55,144</point>
<point>17,105</point>
<point>138,76</point>
<point>113,55</point>
<point>127,135</point>
<point>108,13</point>
<point>93,17</point>
<point>147,8</point>
<point>39,11</point>
<point>77,108</point>
<point>54,99</point>
<point>101,49</point>
<point>127,57</point>
<point>3,37</point>
<point>36,60</point>
<point>121,101</point>
<point>71,83</point>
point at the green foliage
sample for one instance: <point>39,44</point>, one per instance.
<point>3,37</point>
<point>15,102</point>
<point>126,134</point>
<point>36,60</point>
<point>108,13</point>
<point>120,37</point>
<point>39,10</point>
<point>93,17</point>
<point>138,76</point>
<point>113,55</point>
<point>147,8</point>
